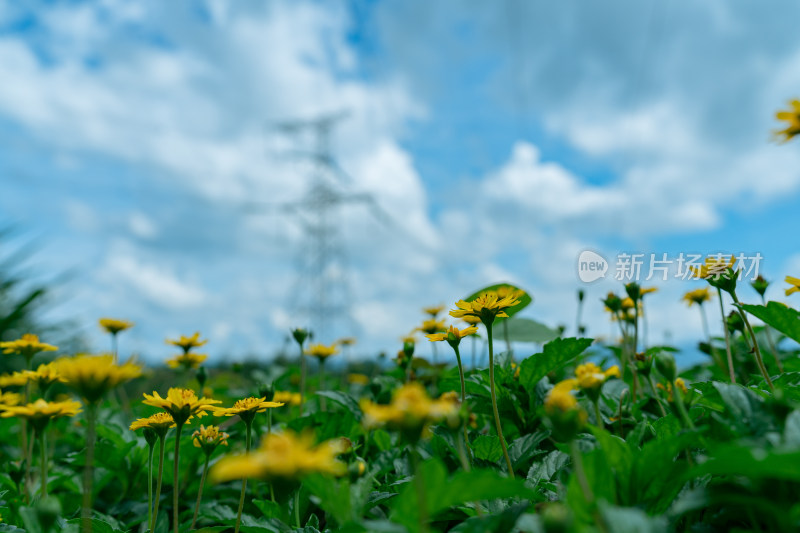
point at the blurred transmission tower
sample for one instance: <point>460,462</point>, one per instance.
<point>320,296</point>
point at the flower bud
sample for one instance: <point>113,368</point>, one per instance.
<point>634,291</point>
<point>48,510</point>
<point>300,335</point>
<point>150,436</point>
<point>556,518</point>
<point>266,391</point>
<point>734,322</point>
<point>665,363</point>
<point>760,285</point>
<point>201,376</point>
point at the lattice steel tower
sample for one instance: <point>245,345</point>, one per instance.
<point>321,294</point>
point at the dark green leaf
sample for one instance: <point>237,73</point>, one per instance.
<point>779,316</point>
<point>487,448</point>
<point>555,354</point>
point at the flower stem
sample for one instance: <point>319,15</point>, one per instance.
<point>200,492</point>
<point>249,425</point>
<point>322,403</point>
<point>727,338</point>
<point>296,507</point>
<point>494,402</point>
<point>175,482</point>
<point>463,388</point>
<point>655,395</point>
<point>43,451</point>
<point>753,341</point>
<point>151,445</point>
<point>161,447</point>
<point>577,462</point>
<point>302,379</point>
<point>684,415</point>
<point>88,469</point>
<point>598,416</point>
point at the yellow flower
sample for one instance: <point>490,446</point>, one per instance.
<point>40,412</point>
<point>713,267</point>
<point>792,118</point>
<point>591,376</point>
<point>321,351</point>
<point>287,397</point>
<point>187,360</point>
<point>410,408</point>
<point>433,311</point>
<point>432,326</point>
<point>647,290</point>
<point>346,341</point>
<point>506,291</point>
<point>182,404</point>
<point>453,334</point>
<point>45,375</point>
<point>114,326</point>
<point>471,320</point>
<point>27,346</point>
<point>187,343</point>
<point>515,368</point>
<point>679,383</point>
<point>560,397</point>
<point>16,379</point>
<point>94,375</point>
<point>208,438</point>
<point>357,379</point>
<point>159,422</point>
<point>409,339</point>
<point>627,304</point>
<point>10,398</point>
<point>246,408</point>
<point>697,296</point>
<point>795,285</point>
<point>486,307</point>
<point>282,456</point>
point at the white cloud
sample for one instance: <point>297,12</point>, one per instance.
<point>155,282</point>
<point>142,226</point>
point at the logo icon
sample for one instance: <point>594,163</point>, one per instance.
<point>591,266</point>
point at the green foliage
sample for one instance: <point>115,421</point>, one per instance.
<point>555,354</point>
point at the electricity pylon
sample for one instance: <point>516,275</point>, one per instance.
<point>320,296</point>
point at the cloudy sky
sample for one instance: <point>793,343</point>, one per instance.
<point>494,141</point>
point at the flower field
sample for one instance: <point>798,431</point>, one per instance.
<point>584,435</point>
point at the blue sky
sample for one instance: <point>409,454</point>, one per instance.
<point>500,138</point>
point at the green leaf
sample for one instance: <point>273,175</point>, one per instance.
<point>98,526</point>
<point>782,318</point>
<point>631,520</point>
<point>524,301</point>
<point>527,330</point>
<point>754,463</point>
<point>523,448</point>
<point>269,508</point>
<point>343,399</point>
<point>487,448</point>
<point>496,523</point>
<point>791,430</point>
<point>545,469</point>
<point>381,439</point>
<point>334,496</point>
<point>555,354</point>
<point>442,492</point>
